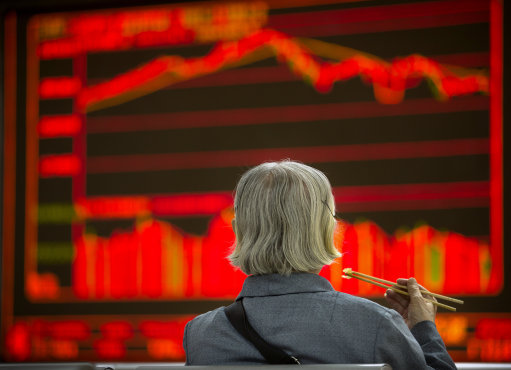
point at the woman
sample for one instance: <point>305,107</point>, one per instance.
<point>284,235</point>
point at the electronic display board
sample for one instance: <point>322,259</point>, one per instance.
<point>126,130</point>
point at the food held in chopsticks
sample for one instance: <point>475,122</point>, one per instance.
<point>401,289</point>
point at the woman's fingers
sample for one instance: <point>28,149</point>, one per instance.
<point>401,299</point>
<point>414,308</point>
<point>397,301</point>
<point>419,309</point>
<point>402,281</point>
<point>424,291</point>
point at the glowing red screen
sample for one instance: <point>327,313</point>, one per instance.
<point>138,123</point>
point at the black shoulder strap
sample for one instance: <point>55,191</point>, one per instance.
<point>237,317</point>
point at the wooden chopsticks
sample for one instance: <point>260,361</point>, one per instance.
<point>382,283</point>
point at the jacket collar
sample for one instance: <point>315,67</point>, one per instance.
<point>274,284</point>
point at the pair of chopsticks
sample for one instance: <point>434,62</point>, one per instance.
<point>398,288</point>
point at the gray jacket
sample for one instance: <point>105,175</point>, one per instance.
<point>304,316</point>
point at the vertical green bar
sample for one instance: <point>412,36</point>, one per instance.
<point>436,262</point>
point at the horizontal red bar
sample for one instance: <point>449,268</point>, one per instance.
<point>71,329</point>
<point>59,87</point>
<point>159,329</point>
<point>120,330</point>
<point>162,205</point>
<point>413,204</point>
<point>59,126</point>
<point>110,40</point>
<point>348,199</point>
<point>191,204</point>
<point>113,207</point>
<point>412,196</point>
<point>236,158</point>
<point>371,193</point>
<point>343,26</point>
<point>268,115</point>
<point>481,59</point>
<point>378,13</point>
<point>59,165</point>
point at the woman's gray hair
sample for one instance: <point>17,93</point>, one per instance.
<point>283,220</point>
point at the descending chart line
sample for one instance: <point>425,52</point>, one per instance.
<point>389,80</point>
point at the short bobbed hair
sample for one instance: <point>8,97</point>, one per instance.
<point>283,220</point>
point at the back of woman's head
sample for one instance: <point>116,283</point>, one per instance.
<point>283,220</point>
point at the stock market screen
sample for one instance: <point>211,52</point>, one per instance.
<point>126,130</point>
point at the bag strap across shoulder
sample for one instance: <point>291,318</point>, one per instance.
<point>238,319</point>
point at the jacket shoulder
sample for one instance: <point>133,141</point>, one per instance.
<point>349,302</point>
<point>207,319</point>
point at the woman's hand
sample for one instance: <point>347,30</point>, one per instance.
<point>414,308</point>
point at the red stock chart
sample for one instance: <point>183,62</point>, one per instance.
<point>132,126</point>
